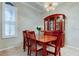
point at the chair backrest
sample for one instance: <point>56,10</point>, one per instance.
<point>32,39</point>
<point>52,33</point>
<point>26,36</point>
<point>62,40</point>
<point>32,35</point>
<point>59,40</point>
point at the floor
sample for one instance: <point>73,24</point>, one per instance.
<point>18,51</point>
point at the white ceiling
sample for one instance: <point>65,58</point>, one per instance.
<point>39,6</point>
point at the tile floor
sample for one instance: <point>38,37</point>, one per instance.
<point>18,51</point>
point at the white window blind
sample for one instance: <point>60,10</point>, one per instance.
<point>9,21</point>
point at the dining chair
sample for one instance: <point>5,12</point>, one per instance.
<point>55,47</point>
<point>53,33</point>
<point>34,44</point>
<point>26,42</point>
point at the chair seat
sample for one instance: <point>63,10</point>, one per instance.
<point>53,49</point>
<point>49,48</point>
<point>39,47</point>
<point>52,45</point>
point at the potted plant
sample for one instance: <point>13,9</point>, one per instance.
<point>39,29</point>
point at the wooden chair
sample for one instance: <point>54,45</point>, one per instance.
<point>53,33</point>
<point>34,46</point>
<point>56,46</point>
<point>26,42</point>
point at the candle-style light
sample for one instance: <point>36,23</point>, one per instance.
<point>50,5</point>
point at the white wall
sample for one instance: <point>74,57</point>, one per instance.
<point>71,10</point>
<point>1,42</point>
<point>27,18</point>
<point>0,20</point>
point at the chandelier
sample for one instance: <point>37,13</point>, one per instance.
<point>50,5</point>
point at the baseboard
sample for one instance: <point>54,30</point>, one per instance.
<point>72,47</point>
<point>18,44</point>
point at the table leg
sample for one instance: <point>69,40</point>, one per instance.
<point>44,52</point>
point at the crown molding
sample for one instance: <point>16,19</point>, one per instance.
<point>32,7</point>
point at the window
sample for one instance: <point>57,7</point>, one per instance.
<point>9,20</point>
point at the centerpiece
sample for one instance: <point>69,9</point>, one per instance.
<point>39,29</point>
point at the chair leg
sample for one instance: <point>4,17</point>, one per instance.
<point>59,53</point>
<point>24,45</point>
<point>36,53</point>
<point>24,48</point>
<point>28,51</point>
<point>47,53</point>
<point>55,51</point>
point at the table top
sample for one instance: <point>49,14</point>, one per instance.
<point>46,38</point>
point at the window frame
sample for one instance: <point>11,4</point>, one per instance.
<point>3,22</point>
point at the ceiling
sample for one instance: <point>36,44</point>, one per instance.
<point>40,5</point>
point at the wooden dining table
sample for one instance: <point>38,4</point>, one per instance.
<point>45,39</point>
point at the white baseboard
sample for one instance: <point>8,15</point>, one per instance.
<point>72,47</point>
<point>11,46</point>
